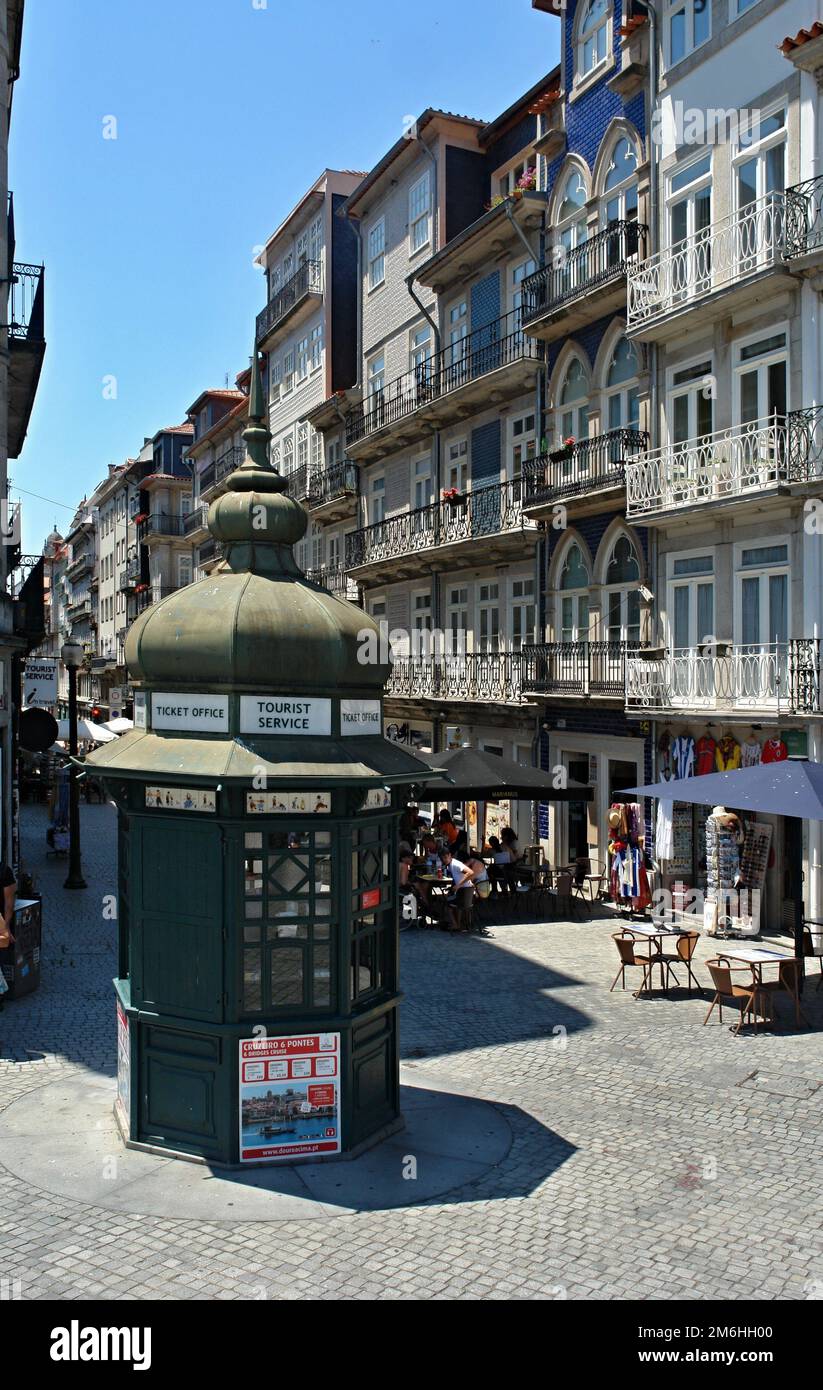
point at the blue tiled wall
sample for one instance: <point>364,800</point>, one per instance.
<point>485,301</point>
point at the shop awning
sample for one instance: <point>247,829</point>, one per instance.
<point>486,776</point>
<point>790,788</point>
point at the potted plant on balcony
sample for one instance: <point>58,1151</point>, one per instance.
<point>528,180</point>
<point>454,497</point>
<point>565,451</point>
<point>140,516</point>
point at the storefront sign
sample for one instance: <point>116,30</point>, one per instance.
<point>139,709</point>
<point>204,713</point>
<point>282,714</point>
<point>181,799</point>
<point>289,1096</point>
<point>360,717</point>
<point>40,683</point>
<point>123,1099</point>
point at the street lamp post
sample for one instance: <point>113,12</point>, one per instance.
<point>72,656</point>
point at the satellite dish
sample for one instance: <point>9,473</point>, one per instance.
<point>38,730</point>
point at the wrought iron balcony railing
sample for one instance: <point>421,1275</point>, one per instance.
<point>605,257</point>
<point>485,511</point>
<point>804,218</point>
<point>485,350</point>
<point>781,677</point>
<point>215,472</point>
<point>577,668</point>
<point>482,676</point>
<point>736,462</point>
<point>210,549</point>
<point>196,519</point>
<point>736,247</point>
<point>340,480</point>
<point>26,309</point>
<point>308,279</point>
<point>587,465</point>
<point>160,524</point>
<point>335,579</point>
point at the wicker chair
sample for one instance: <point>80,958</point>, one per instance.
<point>726,987</point>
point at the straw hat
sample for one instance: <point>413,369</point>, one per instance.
<point>614,819</point>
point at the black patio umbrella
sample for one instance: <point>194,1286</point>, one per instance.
<point>485,776</point>
<point>792,788</point>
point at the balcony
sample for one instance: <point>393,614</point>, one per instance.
<point>154,594</point>
<point>81,564</point>
<point>335,579</point>
<point>196,523</point>
<point>160,524</point>
<point>583,284</point>
<point>745,462</point>
<point>79,608</point>
<point>584,473</point>
<point>803,240</point>
<point>209,552</point>
<point>723,263</point>
<point>778,678</point>
<point>492,364</point>
<point>584,670</point>
<point>332,494</point>
<point>304,288</point>
<point>214,473</point>
<point>481,677</point>
<point>27,348</point>
<point>442,534</point>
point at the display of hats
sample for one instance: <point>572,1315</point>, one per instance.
<point>614,819</point>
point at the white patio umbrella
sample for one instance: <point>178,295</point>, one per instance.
<point>118,725</point>
<point>86,729</point>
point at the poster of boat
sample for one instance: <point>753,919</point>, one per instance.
<point>289,1097</point>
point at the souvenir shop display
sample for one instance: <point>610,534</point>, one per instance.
<point>774,750</point>
<point>727,757</point>
<point>682,752</point>
<point>750,752</point>
<point>628,878</point>
<point>682,839</point>
<point>705,752</point>
<point>736,863</point>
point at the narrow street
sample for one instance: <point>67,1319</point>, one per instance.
<point>641,1144</point>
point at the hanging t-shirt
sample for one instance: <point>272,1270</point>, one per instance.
<point>774,751</point>
<point>683,755</point>
<point>664,757</point>
<point>705,749</point>
<point>728,754</point>
<point>663,836</point>
<point>750,754</point>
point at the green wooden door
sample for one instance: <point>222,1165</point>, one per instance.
<point>177,918</point>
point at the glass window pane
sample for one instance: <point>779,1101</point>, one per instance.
<point>750,605</point>
<point>286,975</point>
<point>765,555</point>
<point>778,608</point>
<point>254,910</point>
<point>677,36</point>
<point>705,611</point>
<point>681,616</point>
<point>701,21</point>
<point>252,979</point>
<point>321,975</point>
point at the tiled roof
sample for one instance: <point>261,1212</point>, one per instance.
<point>801,37</point>
<point>177,429</point>
<point>544,102</point>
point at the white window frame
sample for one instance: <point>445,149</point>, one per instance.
<point>687,388</point>
<point>769,359</point>
<point>316,348</point>
<point>692,582</point>
<point>522,603</point>
<point>581,72</point>
<point>672,8</point>
<point>288,372</point>
<point>377,254</point>
<point>377,499</point>
<point>420,215</point>
<point>763,572</point>
<point>424,610</point>
<point>457,465</point>
<point>524,439</point>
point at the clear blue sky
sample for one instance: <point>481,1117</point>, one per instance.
<point>225,113</point>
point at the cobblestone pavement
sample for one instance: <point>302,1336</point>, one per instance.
<point>651,1157</point>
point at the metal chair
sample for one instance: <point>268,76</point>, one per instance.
<point>726,987</point>
<point>683,952</point>
<point>788,981</point>
<point>626,943</point>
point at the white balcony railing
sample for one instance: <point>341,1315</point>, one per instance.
<point>778,676</point>
<point>740,460</point>
<point>481,676</point>
<point>738,246</point>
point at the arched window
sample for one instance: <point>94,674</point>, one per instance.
<point>572,414</point>
<point>622,406</point>
<point>593,43</point>
<point>620,183</point>
<point>571,211</point>
<point>621,593</point>
<point>574,597</point>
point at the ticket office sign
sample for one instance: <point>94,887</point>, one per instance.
<point>190,713</point>
<point>289,1097</point>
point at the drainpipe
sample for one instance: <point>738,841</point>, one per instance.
<point>654,385</point>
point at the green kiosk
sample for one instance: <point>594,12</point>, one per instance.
<point>258,805</point>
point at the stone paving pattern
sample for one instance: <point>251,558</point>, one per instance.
<point>651,1157</point>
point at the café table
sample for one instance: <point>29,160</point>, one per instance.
<point>437,890</point>
<point>758,957</point>
<point>655,936</point>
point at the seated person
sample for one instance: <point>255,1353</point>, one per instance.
<point>406,861</point>
<point>463,879</point>
<point>509,841</point>
<point>481,881</point>
<point>446,828</point>
<point>500,873</point>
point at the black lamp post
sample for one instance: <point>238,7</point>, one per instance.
<point>72,656</point>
